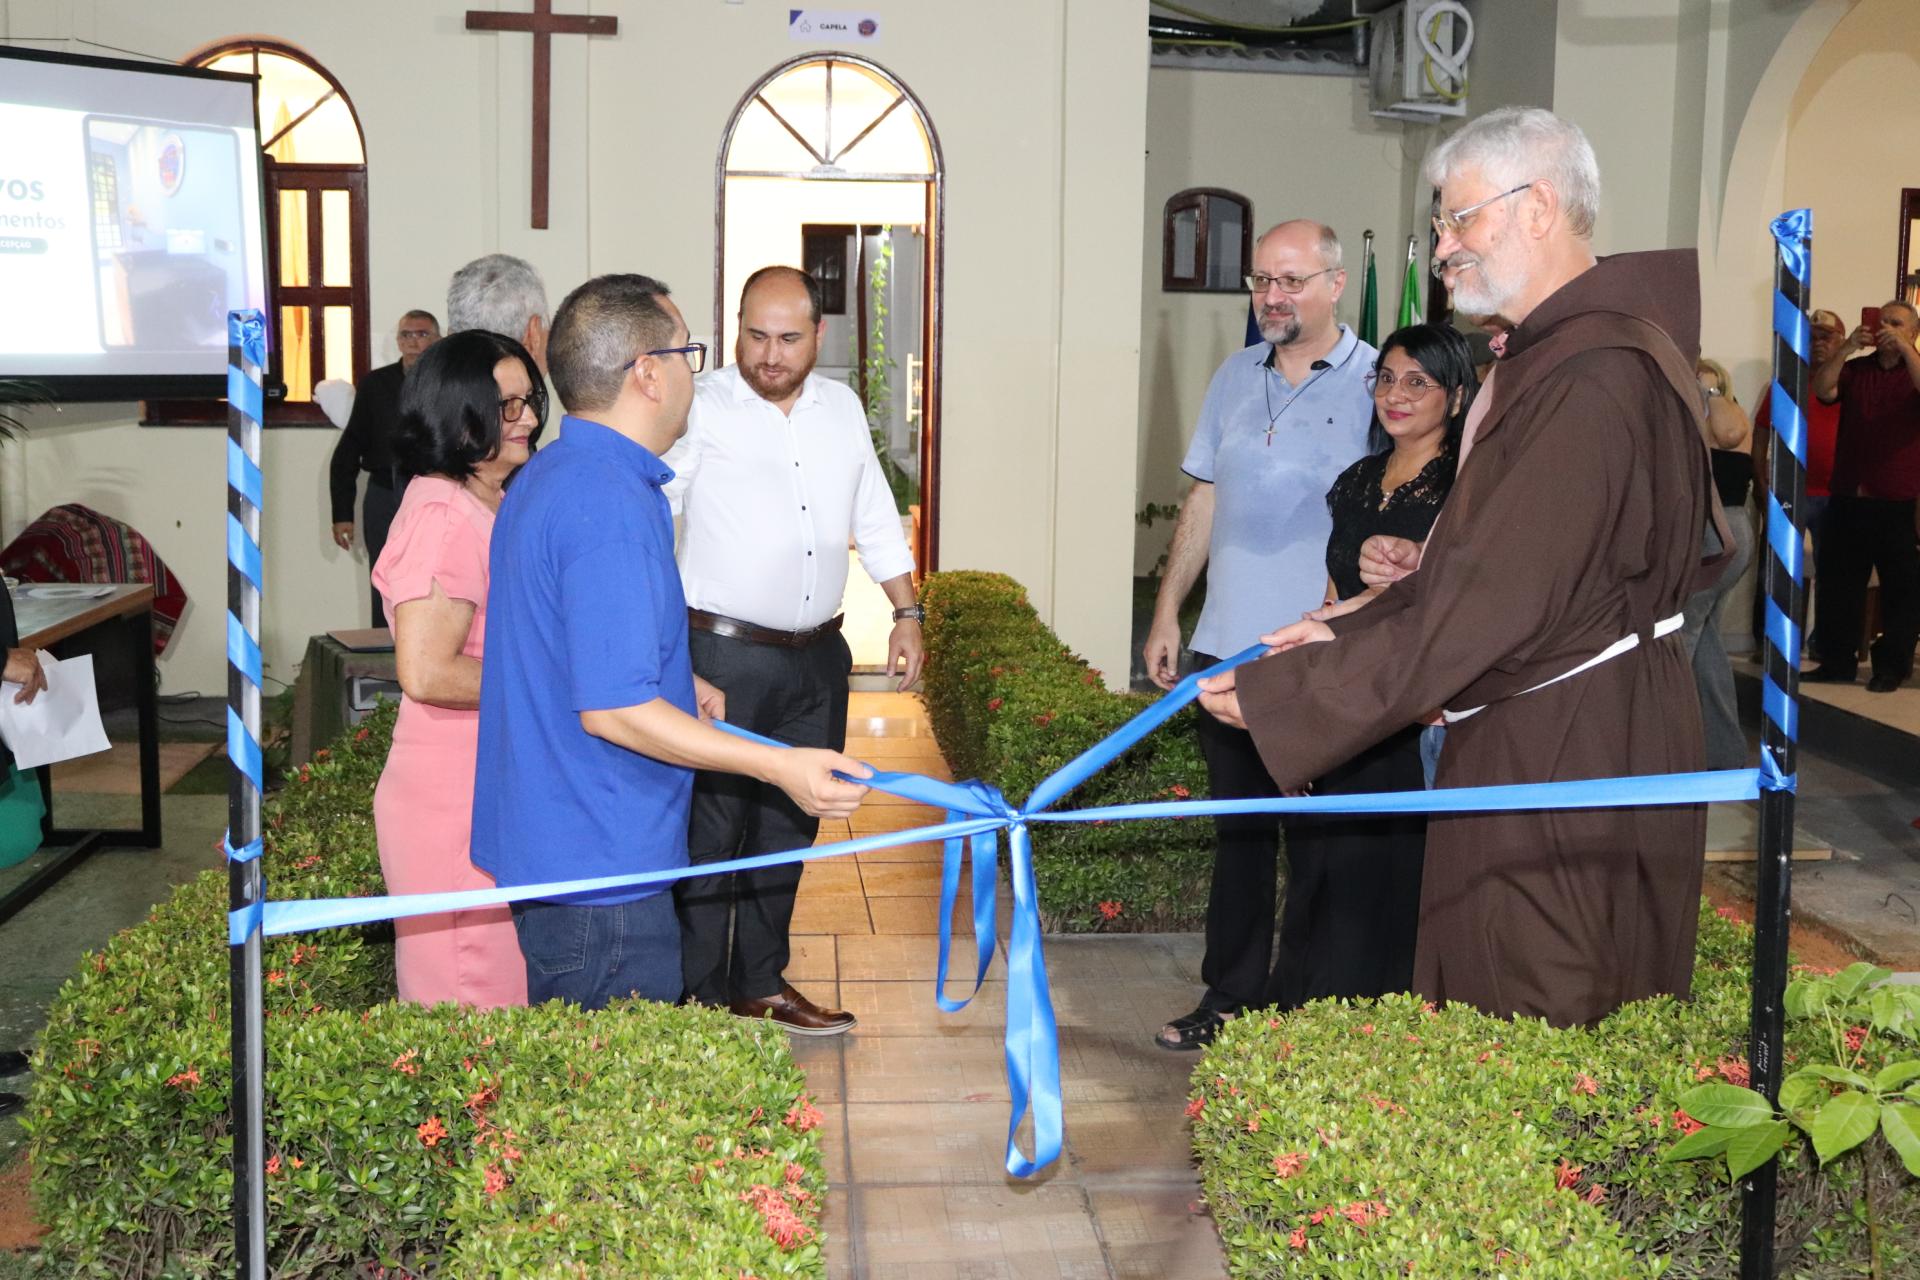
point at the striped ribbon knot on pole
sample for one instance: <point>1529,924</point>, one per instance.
<point>246,886</point>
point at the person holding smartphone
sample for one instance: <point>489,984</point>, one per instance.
<point>1870,523</point>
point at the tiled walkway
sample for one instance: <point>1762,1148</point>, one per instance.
<point>916,1100</point>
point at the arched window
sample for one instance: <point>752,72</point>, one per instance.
<point>1206,241</point>
<point>316,192</point>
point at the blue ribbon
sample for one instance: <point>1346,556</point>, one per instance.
<point>243,750</point>
<point>1781,709</point>
<point>1788,422</point>
<point>242,923</point>
<point>243,651</point>
<point>243,476</point>
<point>975,815</point>
<point>1791,323</point>
<point>246,852</point>
<point>1791,232</point>
<point>1783,634</point>
<point>1783,537</point>
<point>243,553</point>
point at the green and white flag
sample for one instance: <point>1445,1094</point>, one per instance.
<point>1369,299</point>
<point>1410,291</point>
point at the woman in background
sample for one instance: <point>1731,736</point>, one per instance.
<point>1730,450</point>
<point>470,416</point>
<point>1353,882</point>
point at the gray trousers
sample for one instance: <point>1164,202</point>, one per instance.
<point>1726,742</point>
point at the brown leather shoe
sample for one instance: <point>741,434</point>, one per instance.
<point>796,1013</point>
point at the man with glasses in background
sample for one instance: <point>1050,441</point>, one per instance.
<point>776,475</point>
<point>366,444</point>
<point>591,718</point>
<point>1281,420</point>
<point>1546,609</point>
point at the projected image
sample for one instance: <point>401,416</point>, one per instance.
<point>168,236</point>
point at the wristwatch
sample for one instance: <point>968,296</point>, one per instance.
<point>917,612</point>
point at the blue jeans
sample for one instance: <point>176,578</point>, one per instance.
<point>590,955</point>
<point>1432,738</point>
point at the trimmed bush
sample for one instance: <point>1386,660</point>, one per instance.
<point>1010,704</point>
<point>642,1141</point>
<point>1386,1138</point>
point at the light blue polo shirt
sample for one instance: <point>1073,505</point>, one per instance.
<point>584,614</point>
<point>1267,563</point>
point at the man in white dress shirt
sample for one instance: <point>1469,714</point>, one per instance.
<point>775,475</point>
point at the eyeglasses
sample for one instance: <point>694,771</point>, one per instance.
<point>1455,223</point>
<point>1260,283</point>
<point>417,333</point>
<point>513,407</point>
<point>1382,382</point>
<point>695,352</point>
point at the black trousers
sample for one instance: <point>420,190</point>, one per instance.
<point>733,928</point>
<point>1859,536</point>
<point>1352,908</point>
<point>377,510</point>
<point>1240,903</point>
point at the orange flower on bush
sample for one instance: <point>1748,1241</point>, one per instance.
<point>495,1181</point>
<point>431,1132</point>
<point>187,1081</point>
<point>1596,1193</point>
<point>1044,719</point>
<point>1110,910</point>
<point>362,735</point>
<point>1855,1037</point>
<point>1298,1240</point>
<point>994,704</point>
<point>1584,1083</point>
<point>1735,1071</point>
<point>273,1166</point>
<point>1685,1123</point>
<point>405,1064</point>
<point>803,1115</point>
<point>1565,1175</point>
<point>1195,1107</point>
<point>1289,1163</point>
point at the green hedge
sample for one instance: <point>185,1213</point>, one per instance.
<point>643,1141</point>
<point>1010,704</point>
<point>1385,1138</point>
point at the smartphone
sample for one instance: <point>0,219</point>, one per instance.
<point>1870,319</point>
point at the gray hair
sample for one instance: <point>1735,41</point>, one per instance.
<point>1516,145</point>
<point>599,329</point>
<point>499,293</point>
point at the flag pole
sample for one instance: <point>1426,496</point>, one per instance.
<point>1783,584</point>
<point>246,889</point>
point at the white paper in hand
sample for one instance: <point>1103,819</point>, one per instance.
<point>62,723</point>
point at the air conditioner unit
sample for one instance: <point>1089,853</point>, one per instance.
<point>1417,60</point>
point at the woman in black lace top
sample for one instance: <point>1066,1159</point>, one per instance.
<point>1353,883</point>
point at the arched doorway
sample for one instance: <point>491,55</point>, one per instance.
<point>829,163</point>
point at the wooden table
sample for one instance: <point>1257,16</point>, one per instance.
<point>116,626</point>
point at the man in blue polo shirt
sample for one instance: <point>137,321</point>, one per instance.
<point>1282,419</point>
<point>588,702</point>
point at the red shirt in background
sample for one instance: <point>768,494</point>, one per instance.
<point>1878,453</point>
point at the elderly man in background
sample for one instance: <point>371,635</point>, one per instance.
<point>503,294</point>
<point>366,444</point>
<point>1282,419</point>
<point>776,475</point>
<point>1545,611</point>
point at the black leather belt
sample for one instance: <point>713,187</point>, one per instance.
<point>734,629</point>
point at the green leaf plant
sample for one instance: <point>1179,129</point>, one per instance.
<point>1836,1105</point>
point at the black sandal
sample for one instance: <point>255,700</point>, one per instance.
<point>1195,1031</point>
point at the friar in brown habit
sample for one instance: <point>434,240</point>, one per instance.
<point>1577,521</point>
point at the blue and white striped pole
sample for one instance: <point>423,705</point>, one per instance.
<point>246,404</point>
<point>1784,583</point>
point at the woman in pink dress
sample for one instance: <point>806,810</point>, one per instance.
<point>470,415</point>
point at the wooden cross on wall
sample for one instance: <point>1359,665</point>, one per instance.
<point>544,24</point>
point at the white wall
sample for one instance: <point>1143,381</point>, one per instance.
<point>1040,108</point>
<point>1850,150</point>
<point>1297,146</point>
